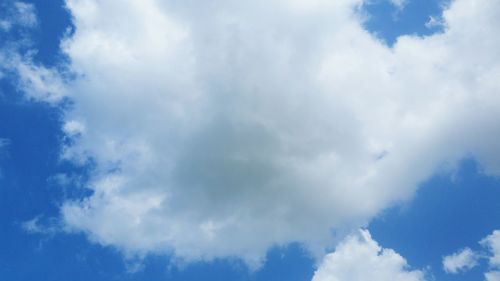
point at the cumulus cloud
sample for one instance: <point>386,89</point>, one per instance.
<point>221,129</point>
<point>460,261</point>
<point>492,243</point>
<point>467,259</point>
<point>360,258</point>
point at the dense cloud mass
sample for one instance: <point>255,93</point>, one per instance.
<point>360,258</point>
<point>221,128</point>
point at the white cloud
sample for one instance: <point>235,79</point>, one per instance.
<point>222,128</point>
<point>360,258</point>
<point>18,14</point>
<point>36,226</point>
<point>74,128</point>
<point>434,22</point>
<point>492,243</point>
<point>36,81</point>
<point>460,261</point>
<point>25,14</point>
<point>16,57</point>
<point>467,259</point>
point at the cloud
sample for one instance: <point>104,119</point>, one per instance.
<point>359,258</point>
<point>434,22</point>
<point>220,129</point>
<point>460,261</point>
<point>25,14</point>
<point>38,83</point>
<point>492,243</point>
<point>399,4</point>
<point>16,56</point>
<point>18,14</point>
<point>467,259</point>
<point>38,225</point>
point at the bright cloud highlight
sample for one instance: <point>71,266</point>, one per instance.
<point>360,258</point>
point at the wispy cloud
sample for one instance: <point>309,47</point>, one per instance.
<point>4,142</point>
<point>18,14</point>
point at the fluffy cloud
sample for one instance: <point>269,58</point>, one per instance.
<point>463,260</point>
<point>492,242</point>
<point>221,128</point>
<point>360,258</point>
<point>467,259</point>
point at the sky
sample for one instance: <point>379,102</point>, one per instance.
<point>254,140</point>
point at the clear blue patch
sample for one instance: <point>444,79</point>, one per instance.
<point>388,22</point>
<point>448,214</point>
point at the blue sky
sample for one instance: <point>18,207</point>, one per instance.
<point>274,152</point>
